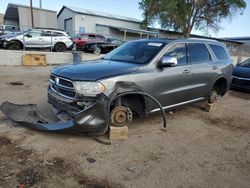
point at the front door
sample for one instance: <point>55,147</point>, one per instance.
<point>173,84</point>
<point>33,39</point>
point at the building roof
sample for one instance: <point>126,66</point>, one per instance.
<point>238,38</point>
<point>197,36</point>
<point>11,12</point>
<point>131,30</point>
<point>97,13</point>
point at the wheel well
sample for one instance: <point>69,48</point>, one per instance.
<point>220,86</point>
<point>59,43</point>
<point>136,103</point>
<point>17,41</point>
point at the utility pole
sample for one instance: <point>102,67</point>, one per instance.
<point>31,12</point>
<point>40,2</point>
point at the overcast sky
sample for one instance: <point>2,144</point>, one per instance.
<point>238,26</point>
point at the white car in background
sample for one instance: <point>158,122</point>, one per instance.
<point>56,40</point>
<point>6,29</point>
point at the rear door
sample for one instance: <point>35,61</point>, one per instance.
<point>203,70</point>
<point>47,39</point>
<point>173,84</point>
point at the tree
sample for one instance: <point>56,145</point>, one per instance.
<point>184,15</point>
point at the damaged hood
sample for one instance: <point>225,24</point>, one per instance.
<point>94,70</point>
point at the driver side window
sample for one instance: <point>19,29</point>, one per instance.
<point>35,34</point>
<point>179,52</point>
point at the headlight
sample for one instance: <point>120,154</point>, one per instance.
<point>89,88</point>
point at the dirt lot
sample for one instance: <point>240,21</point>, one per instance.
<point>199,149</point>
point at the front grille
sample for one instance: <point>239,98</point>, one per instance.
<point>52,77</point>
<point>241,82</point>
<point>66,83</point>
<point>62,86</point>
<point>68,93</point>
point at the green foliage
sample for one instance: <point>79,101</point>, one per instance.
<point>184,15</point>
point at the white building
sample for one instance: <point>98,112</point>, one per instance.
<point>76,20</point>
<point>20,17</point>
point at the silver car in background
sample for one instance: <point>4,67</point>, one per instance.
<point>56,40</point>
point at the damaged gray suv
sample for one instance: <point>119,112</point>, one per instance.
<point>91,95</point>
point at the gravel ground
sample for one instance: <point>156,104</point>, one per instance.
<point>199,149</point>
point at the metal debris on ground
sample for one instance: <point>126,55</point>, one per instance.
<point>16,83</point>
<point>132,169</point>
<point>29,177</point>
<point>91,160</point>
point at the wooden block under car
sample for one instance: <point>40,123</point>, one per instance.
<point>210,107</point>
<point>118,133</point>
<point>34,60</point>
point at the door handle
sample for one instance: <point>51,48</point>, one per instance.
<point>214,67</point>
<point>186,71</point>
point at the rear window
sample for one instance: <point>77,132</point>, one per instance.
<point>10,28</point>
<point>219,52</point>
<point>84,37</point>
<point>198,53</point>
<point>57,34</point>
<point>46,34</point>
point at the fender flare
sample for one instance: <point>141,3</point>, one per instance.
<point>219,77</point>
<point>16,40</point>
<point>133,90</point>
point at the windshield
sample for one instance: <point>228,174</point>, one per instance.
<point>245,63</point>
<point>138,52</point>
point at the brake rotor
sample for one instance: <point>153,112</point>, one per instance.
<point>120,116</point>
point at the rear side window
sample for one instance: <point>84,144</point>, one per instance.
<point>92,36</point>
<point>219,52</point>
<point>47,34</point>
<point>57,34</point>
<point>198,53</point>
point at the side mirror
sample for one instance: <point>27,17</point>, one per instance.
<point>28,35</point>
<point>167,61</point>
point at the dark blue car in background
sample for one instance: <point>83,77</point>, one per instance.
<point>241,76</point>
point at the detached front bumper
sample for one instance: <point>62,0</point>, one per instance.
<point>92,120</point>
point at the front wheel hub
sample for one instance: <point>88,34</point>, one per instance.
<point>120,116</point>
<point>213,97</point>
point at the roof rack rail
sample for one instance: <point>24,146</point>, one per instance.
<point>49,28</point>
<point>201,38</point>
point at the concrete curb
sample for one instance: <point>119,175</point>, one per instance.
<point>11,57</point>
